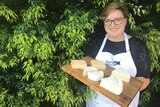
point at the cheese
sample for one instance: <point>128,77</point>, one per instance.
<point>78,64</point>
<point>95,75</point>
<point>112,84</point>
<point>89,69</point>
<point>98,64</point>
<point>122,73</point>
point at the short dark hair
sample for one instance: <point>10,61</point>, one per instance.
<point>114,6</point>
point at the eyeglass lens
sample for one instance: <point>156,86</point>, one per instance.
<point>116,21</point>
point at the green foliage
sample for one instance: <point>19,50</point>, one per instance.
<point>101,2</point>
<point>7,13</point>
<point>37,37</point>
<point>158,7</point>
<point>2,97</point>
<point>72,31</point>
<point>137,10</point>
<point>33,14</point>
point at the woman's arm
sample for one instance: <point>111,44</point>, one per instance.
<point>143,63</point>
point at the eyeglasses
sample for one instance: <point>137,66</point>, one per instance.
<point>116,21</point>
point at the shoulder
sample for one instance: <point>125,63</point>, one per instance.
<point>97,37</point>
<point>134,41</point>
<point>138,46</point>
<point>94,44</point>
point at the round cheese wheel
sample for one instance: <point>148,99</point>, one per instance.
<point>89,69</point>
<point>95,75</point>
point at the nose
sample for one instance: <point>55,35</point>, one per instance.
<point>113,23</point>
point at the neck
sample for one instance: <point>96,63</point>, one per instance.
<point>118,38</point>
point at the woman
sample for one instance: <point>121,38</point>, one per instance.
<point>118,48</point>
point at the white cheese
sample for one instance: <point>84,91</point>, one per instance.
<point>95,75</point>
<point>122,73</point>
<point>112,84</point>
<point>98,64</point>
<point>89,69</point>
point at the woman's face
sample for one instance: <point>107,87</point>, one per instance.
<point>115,24</point>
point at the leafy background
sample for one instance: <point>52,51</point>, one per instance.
<point>37,37</point>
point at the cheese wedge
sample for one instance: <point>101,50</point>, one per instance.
<point>89,69</point>
<point>78,64</point>
<point>122,73</point>
<point>95,75</point>
<point>112,84</point>
<point>98,64</point>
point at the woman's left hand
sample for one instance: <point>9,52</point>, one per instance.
<point>145,81</point>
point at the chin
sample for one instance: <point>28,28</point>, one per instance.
<point>114,34</point>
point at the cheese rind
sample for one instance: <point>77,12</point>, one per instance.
<point>112,84</point>
<point>78,64</point>
<point>98,64</point>
<point>122,73</point>
<point>95,75</point>
<point>89,69</point>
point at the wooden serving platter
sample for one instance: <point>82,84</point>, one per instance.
<point>129,90</point>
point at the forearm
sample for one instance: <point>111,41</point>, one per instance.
<point>145,81</point>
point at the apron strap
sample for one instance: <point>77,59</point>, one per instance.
<point>126,42</point>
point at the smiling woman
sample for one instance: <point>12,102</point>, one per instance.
<point>37,37</point>
<point>131,53</point>
<point>118,14</point>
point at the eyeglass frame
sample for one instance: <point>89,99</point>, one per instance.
<point>113,21</point>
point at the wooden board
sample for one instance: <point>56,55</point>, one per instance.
<point>129,91</point>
